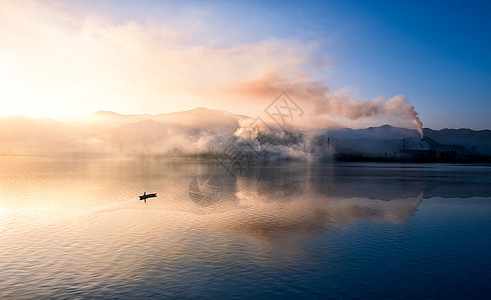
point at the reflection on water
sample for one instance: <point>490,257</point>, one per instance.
<point>205,189</point>
<point>76,228</point>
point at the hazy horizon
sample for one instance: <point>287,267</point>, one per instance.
<point>61,118</point>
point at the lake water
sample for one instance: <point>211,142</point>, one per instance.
<point>74,228</point>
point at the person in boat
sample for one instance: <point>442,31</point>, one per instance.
<point>145,196</point>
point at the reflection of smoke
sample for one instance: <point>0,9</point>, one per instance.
<point>288,208</point>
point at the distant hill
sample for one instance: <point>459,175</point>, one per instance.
<point>193,131</point>
<point>204,118</point>
<point>203,130</point>
<point>478,140</point>
<point>102,120</point>
<point>373,141</point>
<point>386,138</point>
<point>152,137</point>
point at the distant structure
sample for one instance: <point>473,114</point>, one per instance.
<point>406,153</point>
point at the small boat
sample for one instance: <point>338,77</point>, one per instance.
<point>145,196</point>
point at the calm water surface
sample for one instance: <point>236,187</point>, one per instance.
<point>74,228</point>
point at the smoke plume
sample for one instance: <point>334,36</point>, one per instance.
<point>334,109</point>
<point>349,108</point>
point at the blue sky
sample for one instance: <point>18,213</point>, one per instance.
<point>436,53</point>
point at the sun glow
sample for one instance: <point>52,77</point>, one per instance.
<point>55,64</point>
<point>37,101</point>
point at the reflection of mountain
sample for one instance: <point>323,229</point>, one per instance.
<point>456,183</point>
<point>291,204</point>
<point>373,181</point>
<point>280,205</point>
<point>205,189</point>
<point>457,189</point>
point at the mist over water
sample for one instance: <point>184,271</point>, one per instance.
<point>75,228</point>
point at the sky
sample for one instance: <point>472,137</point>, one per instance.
<point>346,63</point>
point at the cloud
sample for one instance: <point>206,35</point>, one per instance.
<point>333,109</point>
<point>72,62</point>
<point>59,62</point>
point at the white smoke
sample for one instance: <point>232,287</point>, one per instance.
<point>349,108</point>
<point>333,109</point>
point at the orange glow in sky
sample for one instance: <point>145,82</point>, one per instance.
<point>55,63</point>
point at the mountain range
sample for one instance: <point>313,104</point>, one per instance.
<point>203,130</point>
